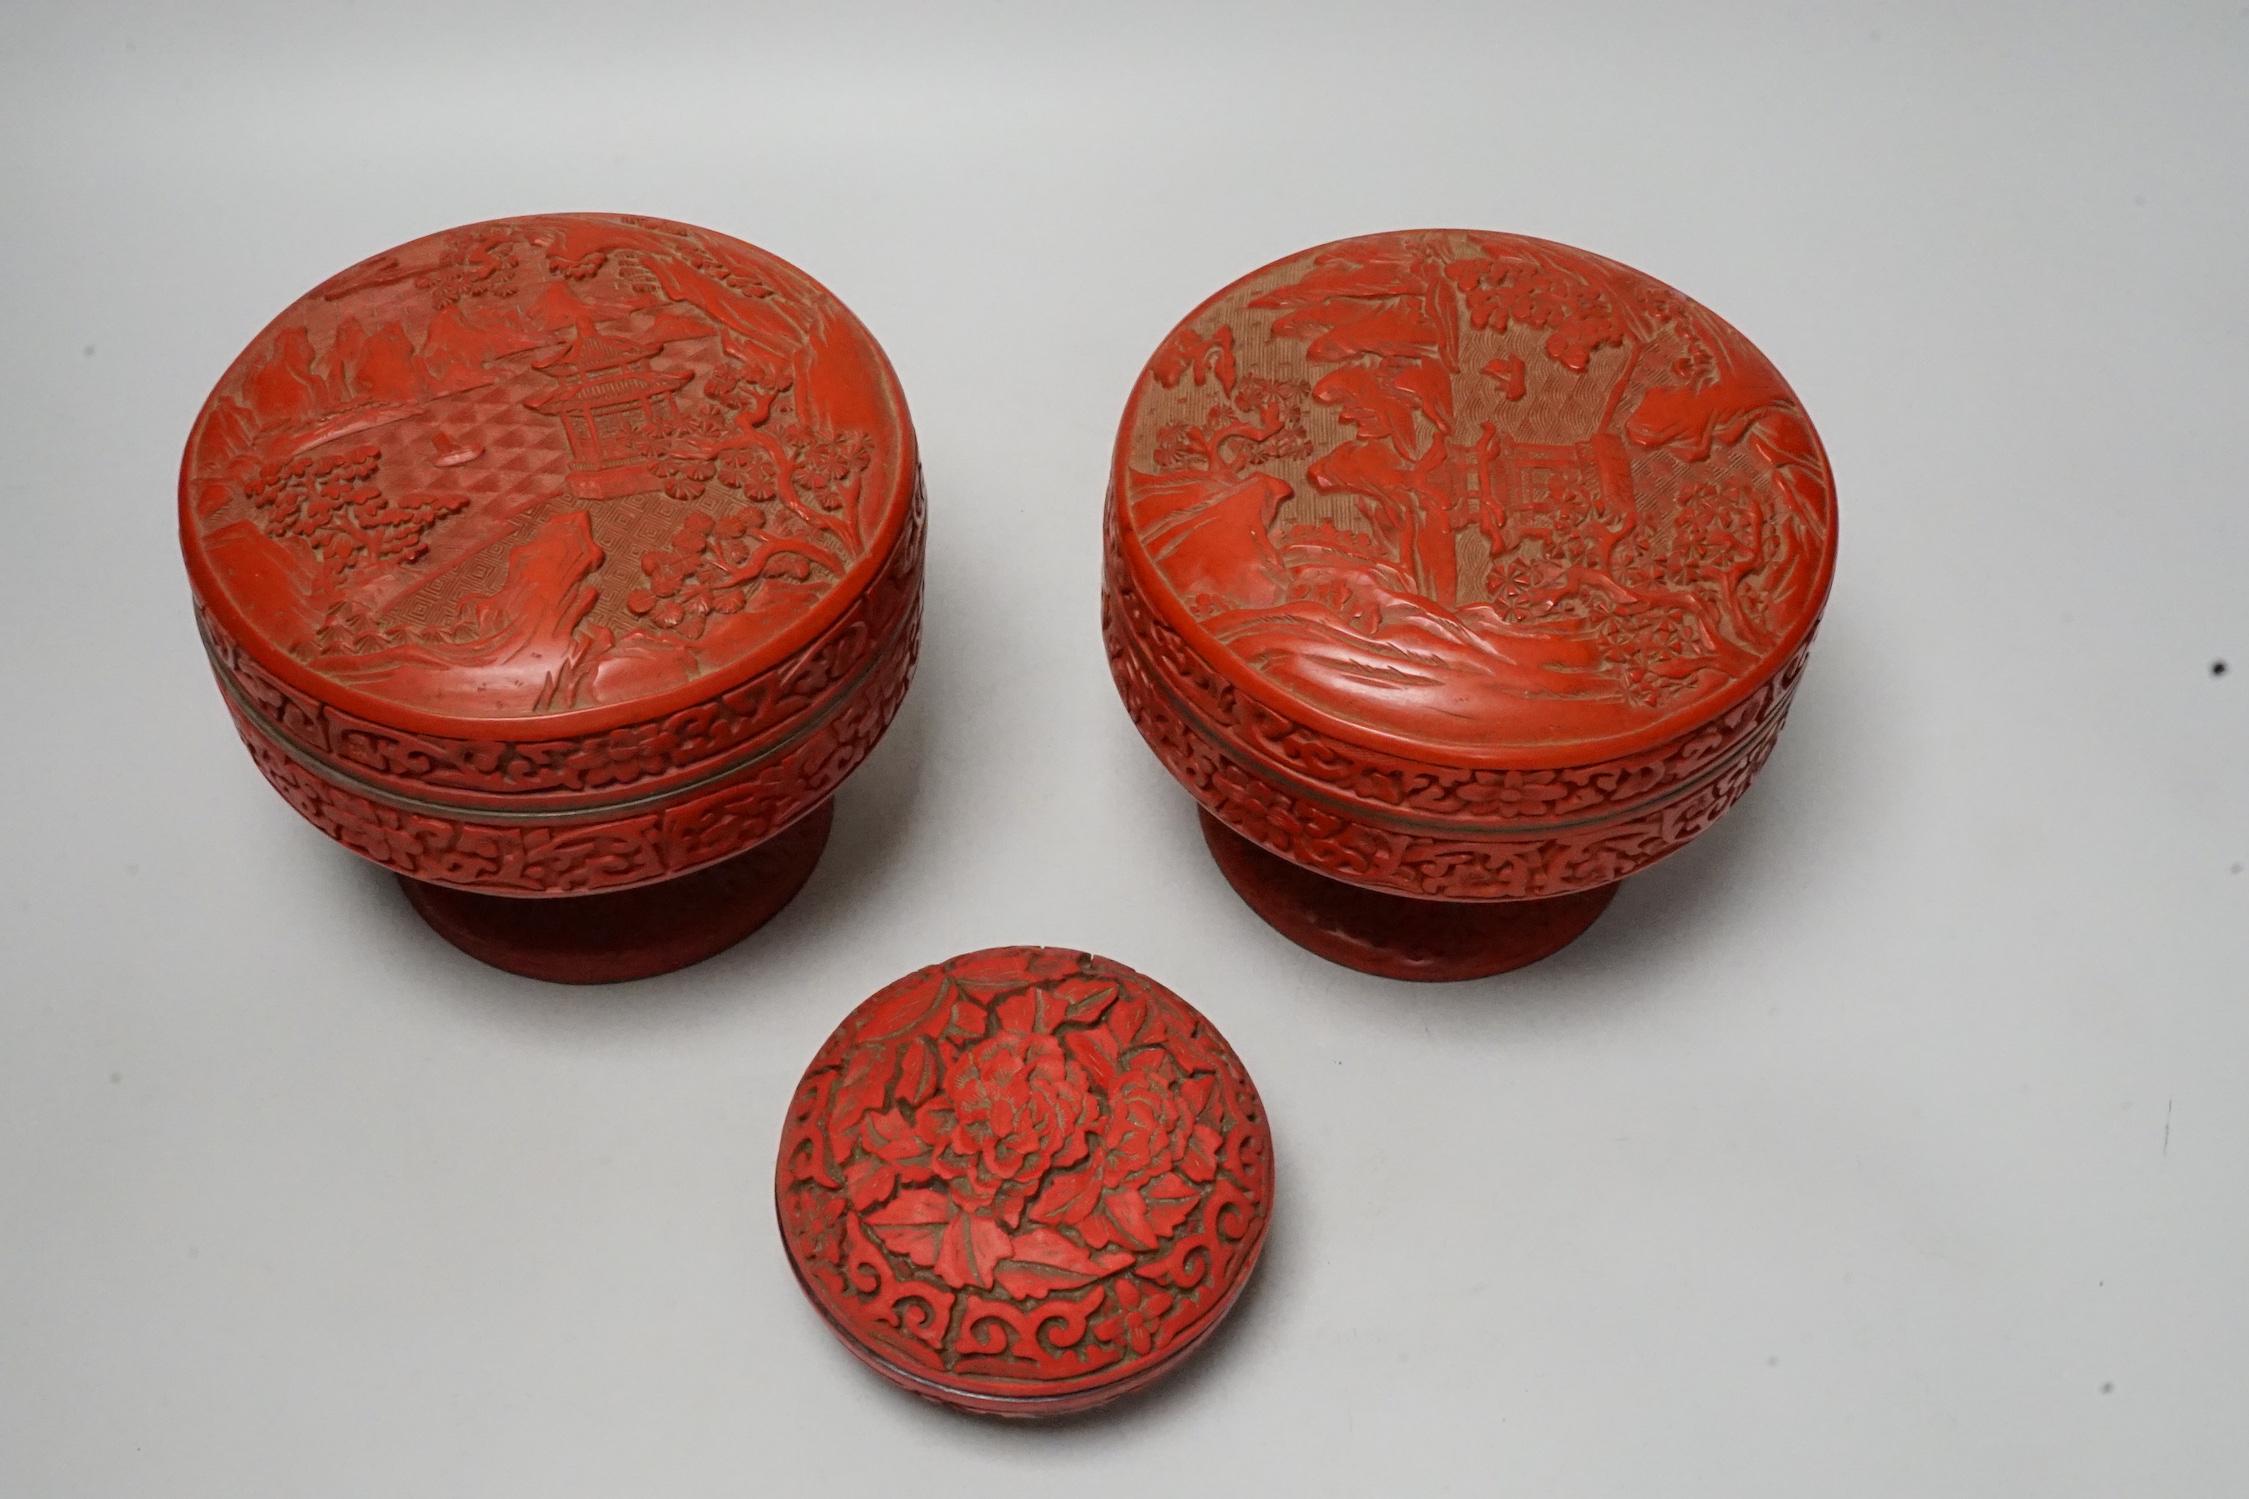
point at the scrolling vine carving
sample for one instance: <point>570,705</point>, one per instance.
<point>1469,800</point>
<point>1495,846</point>
<point>572,856</point>
<point>633,759</point>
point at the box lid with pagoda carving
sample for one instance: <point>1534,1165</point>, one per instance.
<point>1473,499</point>
<point>557,516</point>
<point>544,475</point>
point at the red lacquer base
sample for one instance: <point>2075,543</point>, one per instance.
<point>630,934</point>
<point>1397,936</point>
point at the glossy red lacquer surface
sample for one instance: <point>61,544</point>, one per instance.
<point>1025,1181</point>
<point>1463,565</point>
<point>558,554</point>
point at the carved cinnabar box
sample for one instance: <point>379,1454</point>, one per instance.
<point>1459,575</point>
<point>1024,1182</point>
<point>564,565</point>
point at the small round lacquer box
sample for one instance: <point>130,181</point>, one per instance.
<point>564,565</point>
<point>1024,1182</point>
<point>1459,575</point>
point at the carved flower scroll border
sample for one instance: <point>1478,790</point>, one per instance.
<point>633,760</point>
<point>1673,796</point>
<point>573,857</point>
<point>1395,789</point>
<point>1491,868</point>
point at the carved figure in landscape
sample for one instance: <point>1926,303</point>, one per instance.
<point>1458,535</point>
<point>592,455</point>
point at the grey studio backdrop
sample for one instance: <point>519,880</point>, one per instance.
<point>1889,1140</point>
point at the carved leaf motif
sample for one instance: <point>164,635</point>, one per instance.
<point>1085,997</point>
<point>865,1086</point>
<point>1200,1159</point>
<point>1095,1049</point>
<point>966,1021</point>
<point>897,1143</point>
<point>1033,1011</point>
<point>973,1245</point>
<point>917,1072</point>
<point>1001,966</point>
<point>1043,1260</point>
<point>1169,1200</point>
<point>1121,1219</point>
<point>913,1224</point>
<point>1125,1018</point>
<point>869,1182</point>
<point>1424,382</point>
<point>1190,1052</point>
<point>1188,351</point>
<point>1068,1197</point>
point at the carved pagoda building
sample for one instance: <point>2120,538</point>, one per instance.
<point>610,403</point>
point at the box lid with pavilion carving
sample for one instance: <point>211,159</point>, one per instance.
<point>547,515</point>
<point>1447,534</point>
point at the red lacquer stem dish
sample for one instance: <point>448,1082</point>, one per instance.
<point>1459,575</point>
<point>551,560</point>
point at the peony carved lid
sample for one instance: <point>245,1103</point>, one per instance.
<point>1024,1181</point>
<point>572,469</point>
<point>1475,499</point>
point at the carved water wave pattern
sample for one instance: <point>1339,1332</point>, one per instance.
<point>570,856</point>
<point>629,763</point>
<point>1022,1174</point>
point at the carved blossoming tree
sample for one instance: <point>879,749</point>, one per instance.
<point>1569,550</point>
<point>1252,422</point>
<point>333,505</point>
<point>712,567</point>
<point>788,499</point>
